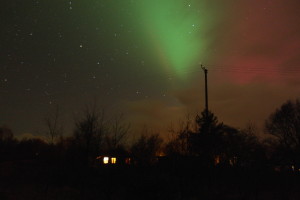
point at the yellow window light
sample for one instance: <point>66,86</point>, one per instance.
<point>113,160</point>
<point>105,160</point>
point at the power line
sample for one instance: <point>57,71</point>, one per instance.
<point>243,69</point>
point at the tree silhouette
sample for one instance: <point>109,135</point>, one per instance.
<point>217,143</point>
<point>284,126</point>
<point>179,143</point>
<point>114,143</point>
<point>207,141</point>
<point>7,143</point>
<point>118,131</point>
<point>54,126</point>
<point>146,148</point>
<point>242,147</point>
<point>6,134</point>
<point>89,133</point>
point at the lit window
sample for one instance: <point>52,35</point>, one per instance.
<point>113,160</point>
<point>105,160</point>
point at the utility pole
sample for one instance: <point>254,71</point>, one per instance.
<point>206,95</point>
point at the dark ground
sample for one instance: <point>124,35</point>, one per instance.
<point>31,179</point>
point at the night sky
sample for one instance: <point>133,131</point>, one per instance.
<point>142,58</point>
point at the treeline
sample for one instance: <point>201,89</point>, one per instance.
<point>201,138</point>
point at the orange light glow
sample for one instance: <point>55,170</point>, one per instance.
<point>217,160</point>
<point>113,160</point>
<point>128,161</point>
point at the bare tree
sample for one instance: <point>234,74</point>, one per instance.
<point>89,132</point>
<point>146,148</point>
<point>54,125</point>
<point>179,140</point>
<point>250,129</point>
<point>119,130</point>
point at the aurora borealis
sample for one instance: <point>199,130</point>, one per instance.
<point>143,58</point>
<point>176,30</point>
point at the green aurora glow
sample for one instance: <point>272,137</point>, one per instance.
<point>177,31</point>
